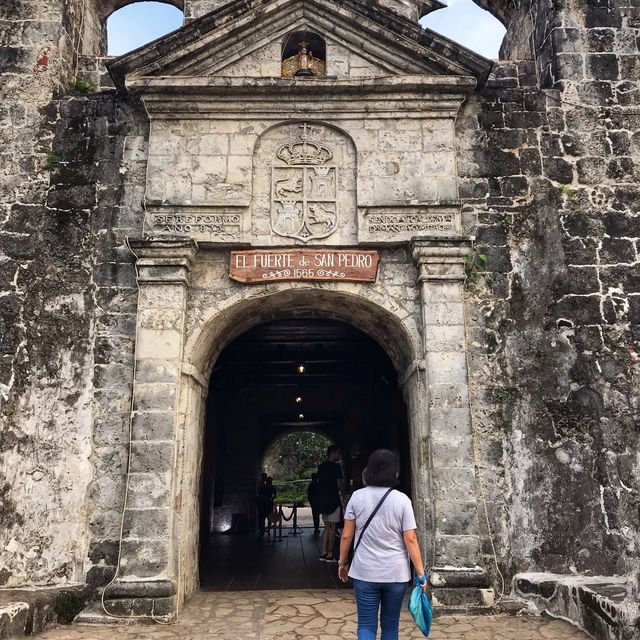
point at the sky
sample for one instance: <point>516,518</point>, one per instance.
<point>462,21</point>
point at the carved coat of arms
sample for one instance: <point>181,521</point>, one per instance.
<point>304,190</point>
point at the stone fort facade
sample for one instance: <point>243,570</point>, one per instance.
<point>501,200</point>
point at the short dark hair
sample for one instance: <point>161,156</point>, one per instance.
<point>382,469</point>
<point>332,448</point>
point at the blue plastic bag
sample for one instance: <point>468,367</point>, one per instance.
<point>420,607</point>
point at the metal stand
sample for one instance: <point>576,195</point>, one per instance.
<point>295,529</point>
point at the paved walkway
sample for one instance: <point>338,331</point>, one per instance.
<point>309,615</point>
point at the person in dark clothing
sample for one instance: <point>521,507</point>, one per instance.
<point>329,500</point>
<point>312,496</point>
<point>266,498</point>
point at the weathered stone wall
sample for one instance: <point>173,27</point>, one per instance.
<point>547,157</point>
<point>45,313</point>
<point>550,184</point>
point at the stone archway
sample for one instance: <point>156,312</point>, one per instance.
<point>178,338</point>
<point>399,339</point>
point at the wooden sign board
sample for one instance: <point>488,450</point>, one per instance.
<point>276,265</point>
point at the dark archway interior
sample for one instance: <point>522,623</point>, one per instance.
<point>349,392</point>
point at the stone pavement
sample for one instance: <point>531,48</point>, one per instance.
<point>309,615</point>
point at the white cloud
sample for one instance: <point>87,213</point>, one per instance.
<point>468,24</point>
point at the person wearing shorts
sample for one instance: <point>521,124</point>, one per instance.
<point>329,501</point>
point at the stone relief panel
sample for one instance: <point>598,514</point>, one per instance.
<point>304,186</point>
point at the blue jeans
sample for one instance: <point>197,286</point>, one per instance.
<point>369,598</point>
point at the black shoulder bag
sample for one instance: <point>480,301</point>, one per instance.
<point>368,522</point>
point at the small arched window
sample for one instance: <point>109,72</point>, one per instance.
<point>304,54</point>
<point>138,24</point>
<point>466,23</point>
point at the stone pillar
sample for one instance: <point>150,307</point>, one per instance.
<point>147,573</point>
<point>457,542</point>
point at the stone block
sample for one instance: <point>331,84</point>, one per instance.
<point>455,518</point>
<point>602,66</point>
<point>451,449</point>
<point>147,524</point>
<point>153,425</point>
<point>144,558</point>
<point>156,396</point>
<point>154,457</point>
<point>163,344</point>
<point>451,423</point>
<point>443,313</point>
<point>444,337</point>
<point>148,490</point>
<point>447,396</point>
<point>153,371</point>
<point>447,368</point>
<point>455,484</point>
<point>162,297</point>
<point>457,551</point>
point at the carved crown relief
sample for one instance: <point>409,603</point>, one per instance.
<point>311,169</point>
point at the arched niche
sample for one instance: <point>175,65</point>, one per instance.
<point>304,54</point>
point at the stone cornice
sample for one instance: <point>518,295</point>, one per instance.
<point>190,97</point>
<point>441,258</point>
<point>162,260</point>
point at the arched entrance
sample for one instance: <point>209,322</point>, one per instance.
<point>303,372</point>
<point>183,324</point>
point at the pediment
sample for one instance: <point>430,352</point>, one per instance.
<point>239,40</point>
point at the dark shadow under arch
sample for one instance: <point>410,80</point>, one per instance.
<point>394,336</point>
<point>350,393</point>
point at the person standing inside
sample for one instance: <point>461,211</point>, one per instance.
<point>260,490</point>
<point>329,500</point>
<point>312,496</point>
<point>386,540</point>
<point>266,498</point>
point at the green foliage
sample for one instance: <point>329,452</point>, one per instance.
<point>80,85</point>
<point>502,395</point>
<point>52,161</point>
<point>568,192</point>
<point>504,223</point>
<point>293,491</point>
<point>296,456</point>
<point>474,264</point>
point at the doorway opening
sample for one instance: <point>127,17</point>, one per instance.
<point>271,385</point>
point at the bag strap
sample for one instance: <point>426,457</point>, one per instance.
<point>368,522</point>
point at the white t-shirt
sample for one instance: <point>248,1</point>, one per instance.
<point>382,555</point>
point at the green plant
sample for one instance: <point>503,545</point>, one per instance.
<point>52,160</point>
<point>474,264</point>
<point>566,190</point>
<point>80,85</point>
<point>505,222</point>
<point>502,395</point>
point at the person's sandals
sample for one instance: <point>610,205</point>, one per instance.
<point>330,558</point>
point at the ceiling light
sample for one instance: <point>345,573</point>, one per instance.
<point>300,368</point>
<point>301,416</point>
<point>299,400</point>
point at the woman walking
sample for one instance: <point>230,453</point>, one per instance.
<point>384,526</point>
